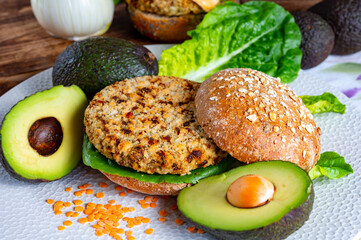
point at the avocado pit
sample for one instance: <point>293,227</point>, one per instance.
<point>250,191</point>
<point>45,136</point>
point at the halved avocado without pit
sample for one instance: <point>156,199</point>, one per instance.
<point>207,206</point>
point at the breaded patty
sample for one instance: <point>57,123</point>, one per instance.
<point>167,8</point>
<point>148,124</point>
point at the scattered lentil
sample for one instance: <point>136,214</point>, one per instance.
<point>99,195</point>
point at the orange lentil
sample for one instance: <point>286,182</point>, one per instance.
<point>118,188</point>
<point>137,222</point>
<point>99,195</point>
<point>68,189</point>
<point>103,185</point>
<point>111,201</point>
<point>149,231</point>
<point>99,206</point>
<point>77,193</point>
<point>148,198</point>
<point>120,230</point>
<point>78,209</point>
<point>69,214</point>
<point>122,194</point>
<point>191,229</point>
<point>50,201</point>
<point>145,205</point>
<point>84,186</point>
<point>67,223</point>
<point>163,213</point>
<point>174,207</point>
<point>75,214</point>
<point>57,212</point>
<point>162,219</point>
<point>130,238</point>
<point>91,205</point>
<point>153,205</point>
<point>82,220</point>
<point>129,190</point>
<point>88,211</point>
<point>131,209</point>
<point>61,228</point>
<point>179,221</point>
<point>99,233</point>
<point>77,202</point>
<point>129,232</point>
<point>58,203</point>
<point>89,191</point>
<point>130,225</point>
<point>200,231</point>
<point>67,204</point>
<point>145,220</point>
<point>141,201</point>
<point>155,199</point>
<point>58,207</point>
<point>90,218</point>
<point>115,224</point>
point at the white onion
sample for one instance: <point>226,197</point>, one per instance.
<point>74,19</point>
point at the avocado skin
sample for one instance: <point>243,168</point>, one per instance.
<point>317,38</point>
<point>344,16</point>
<point>96,62</point>
<point>290,223</point>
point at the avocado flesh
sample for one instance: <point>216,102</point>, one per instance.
<point>67,105</point>
<point>97,62</point>
<point>205,203</point>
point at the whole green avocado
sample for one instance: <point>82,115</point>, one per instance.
<point>318,38</point>
<point>344,16</point>
<point>96,62</point>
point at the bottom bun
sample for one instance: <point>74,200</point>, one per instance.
<point>162,28</point>
<point>169,189</point>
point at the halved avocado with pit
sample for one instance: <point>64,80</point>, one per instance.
<point>41,136</point>
<point>206,203</point>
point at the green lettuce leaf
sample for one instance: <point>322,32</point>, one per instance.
<point>257,35</point>
<point>326,102</point>
<point>331,165</point>
<point>95,160</point>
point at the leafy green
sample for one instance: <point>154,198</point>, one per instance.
<point>258,35</point>
<point>331,165</point>
<point>94,159</point>
<point>327,102</point>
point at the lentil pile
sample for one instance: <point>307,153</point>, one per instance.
<point>111,218</point>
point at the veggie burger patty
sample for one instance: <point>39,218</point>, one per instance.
<point>148,124</point>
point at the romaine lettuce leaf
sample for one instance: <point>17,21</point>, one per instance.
<point>94,159</point>
<point>257,35</point>
<point>331,165</point>
<point>327,102</point>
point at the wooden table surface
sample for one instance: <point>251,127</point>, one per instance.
<point>26,48</point>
